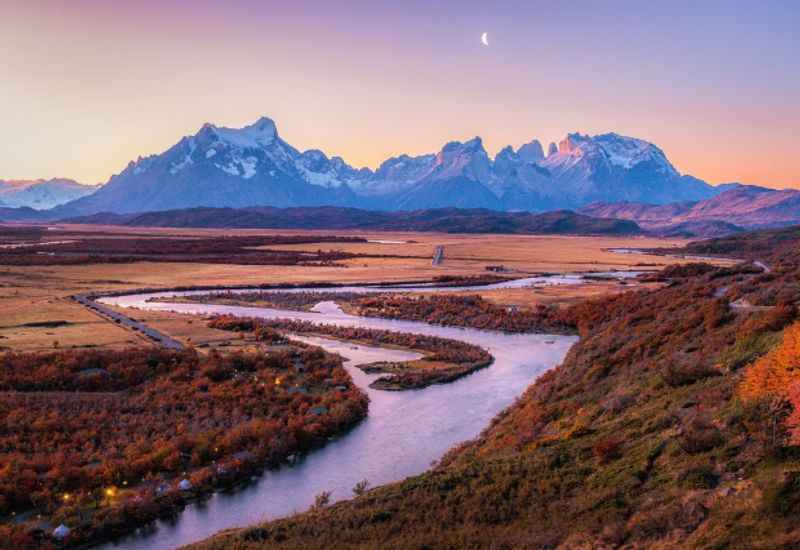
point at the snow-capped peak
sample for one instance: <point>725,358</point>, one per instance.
<point>619,151</point>
<point>261,133</point>
<point>531,152</point>
<point>627,152</point>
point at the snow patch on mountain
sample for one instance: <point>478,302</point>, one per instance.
<point>260,134</point>
<point>42,194</point>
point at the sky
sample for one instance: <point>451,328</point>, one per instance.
<point>88,85</point>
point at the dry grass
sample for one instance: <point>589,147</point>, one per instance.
<point>194,330</point>
<point>558,295</point>
<point>35,294</point>
<point>526,253</point>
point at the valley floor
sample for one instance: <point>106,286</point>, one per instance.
<point>39,317</point>
<point>673,423</point>
<point>37,314</point>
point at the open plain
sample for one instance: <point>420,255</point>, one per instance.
<point>37,313</point>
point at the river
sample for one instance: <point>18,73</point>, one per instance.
<point>403,434</point>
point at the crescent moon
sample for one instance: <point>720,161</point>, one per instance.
<point>485,39</point>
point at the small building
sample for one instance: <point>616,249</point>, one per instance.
<point>496,268</point>
<point>185,485</point>
<point>61,532</point>
<point>318,410</point>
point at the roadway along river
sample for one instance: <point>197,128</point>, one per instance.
<point>402,435</point>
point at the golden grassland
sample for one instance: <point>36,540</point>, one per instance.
<point>31,294</point>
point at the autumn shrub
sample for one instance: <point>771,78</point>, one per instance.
<point>245,250</point>
<point>619,403</point>
<point>461,358</point>
<point>701,476</point>
<point>782,496</point>
<point>778,370</point>
<point>715,314</point>
<point>678,373</point>
<point>75,422</point>
<point>466,311</point>
<point>748,348</point>
<point>765,419</point>
<point>700,435</point>
<point>607,449</point>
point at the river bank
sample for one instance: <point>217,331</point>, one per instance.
<point>402,434</point>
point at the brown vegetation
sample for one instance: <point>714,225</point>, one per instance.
<point>99,440</point>
<point>639,439</point>
<point>465,311</point>
<point>82,249</point>
<point>440,309</point>
<point>445,360</point>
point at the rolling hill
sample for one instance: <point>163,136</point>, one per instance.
<point>447,220</point>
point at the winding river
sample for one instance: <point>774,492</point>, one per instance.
<point>403,433</point>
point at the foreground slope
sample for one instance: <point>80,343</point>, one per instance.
<point>643,437</point>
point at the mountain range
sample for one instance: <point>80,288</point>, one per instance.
<point>254,166</point>
<point>736,208</point>
<point>601,176</point>
<point>41,194</point>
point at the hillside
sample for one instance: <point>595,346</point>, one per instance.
<point>659,430</point>
<point>446,220</point>
<point>776,245</point>
<point>25,213</point>
<point>740,206</point>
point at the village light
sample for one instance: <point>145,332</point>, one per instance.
<point>110,492</point>
<point>66,497</point>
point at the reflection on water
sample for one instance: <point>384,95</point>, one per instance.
<point>402,435</point>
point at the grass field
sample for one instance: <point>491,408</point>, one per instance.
<point>35,294</point>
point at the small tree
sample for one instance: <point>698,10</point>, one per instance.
<point>360,488</point>
<point>321,500</point>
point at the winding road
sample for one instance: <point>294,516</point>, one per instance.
<point>157,337</point>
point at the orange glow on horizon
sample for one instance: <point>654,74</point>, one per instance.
<point>90,85</point>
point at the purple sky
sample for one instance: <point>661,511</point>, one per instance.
<point>89,84</point>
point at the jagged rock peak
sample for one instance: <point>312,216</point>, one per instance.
<point>531,152</point>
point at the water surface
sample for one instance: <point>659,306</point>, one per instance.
<point>402,435</point>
